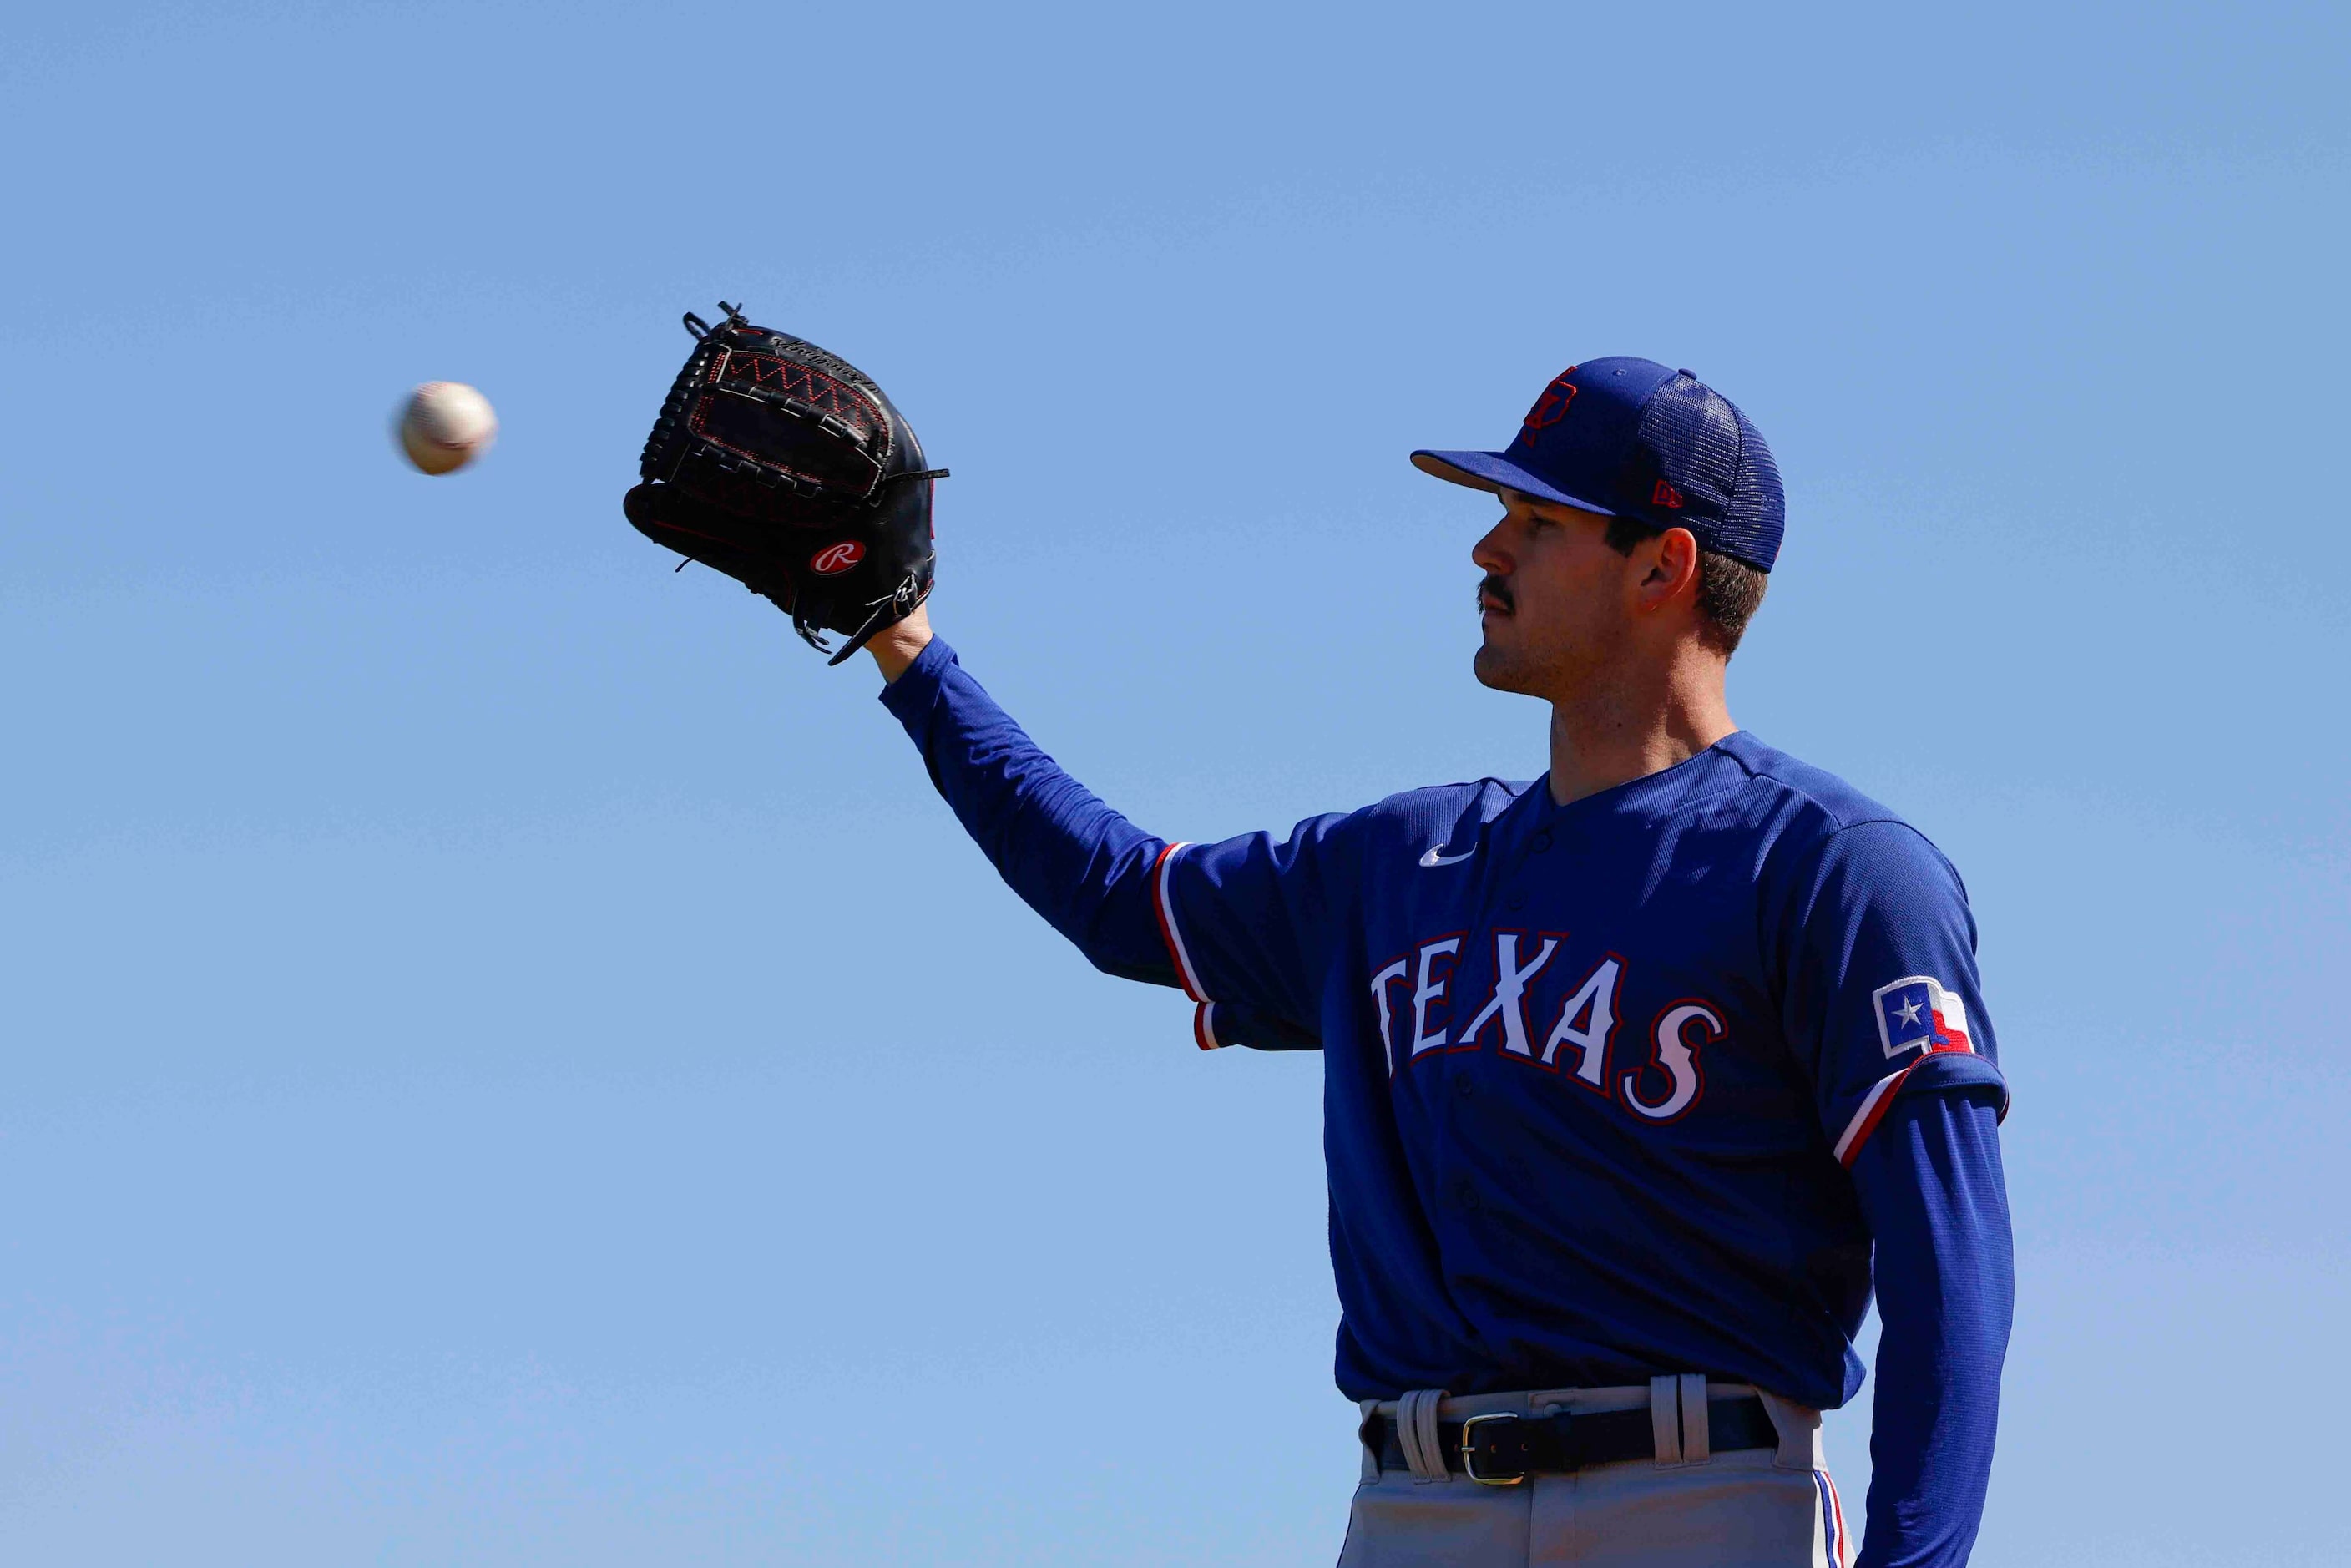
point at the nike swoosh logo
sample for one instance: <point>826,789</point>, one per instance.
<point>1432,859</point>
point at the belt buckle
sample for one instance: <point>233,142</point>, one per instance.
<point>1469,1452</point>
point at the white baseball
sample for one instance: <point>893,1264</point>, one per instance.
<point>446,426</point>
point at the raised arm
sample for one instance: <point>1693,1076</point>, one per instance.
<point>1082,866</point>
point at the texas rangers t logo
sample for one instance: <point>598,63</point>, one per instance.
<point>1552,407</point>
<point>1916,1012</point>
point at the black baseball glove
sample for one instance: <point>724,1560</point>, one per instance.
<point>787,469</point>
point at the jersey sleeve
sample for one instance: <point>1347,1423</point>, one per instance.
<point>1216,1025</point>
<point>1879,991</point>
<point>1249,922</point>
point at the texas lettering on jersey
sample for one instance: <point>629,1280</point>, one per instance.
<point>1584,1014</point>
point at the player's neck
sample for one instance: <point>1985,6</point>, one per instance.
<point>1630,727</point>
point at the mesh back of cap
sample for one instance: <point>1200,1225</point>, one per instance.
<point>1709,452</point>
<point>1758,511</point>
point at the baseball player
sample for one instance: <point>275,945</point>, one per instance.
<point>1638,1077</point>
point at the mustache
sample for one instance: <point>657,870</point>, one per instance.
<point>1495,589</point>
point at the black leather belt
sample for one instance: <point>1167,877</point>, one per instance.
<point>1503,1450</point>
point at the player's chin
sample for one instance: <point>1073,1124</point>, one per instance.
<point>1495,664</point>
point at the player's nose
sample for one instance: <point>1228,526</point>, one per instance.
<point>1488,556</point>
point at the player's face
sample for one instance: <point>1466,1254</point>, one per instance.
<point>1552,602</point>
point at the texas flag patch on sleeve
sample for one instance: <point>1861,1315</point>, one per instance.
<point>1916,1012</point>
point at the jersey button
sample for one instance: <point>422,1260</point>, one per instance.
<point>1540,843</point>
<point>1464,1087</point>
<point>1465,1195</point>
<point>1516,901</point>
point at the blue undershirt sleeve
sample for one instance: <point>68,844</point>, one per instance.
<point>1930,1185</point>
<point>1082,866</point>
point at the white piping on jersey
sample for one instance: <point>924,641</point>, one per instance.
<point>1164,894</point>
<point>1866,1115</point>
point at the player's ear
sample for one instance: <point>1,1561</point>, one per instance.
<point>1667,568</point>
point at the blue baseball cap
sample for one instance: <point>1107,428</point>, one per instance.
<point>1629,438</point>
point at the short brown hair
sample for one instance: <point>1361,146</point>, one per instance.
<point>1728,591</point>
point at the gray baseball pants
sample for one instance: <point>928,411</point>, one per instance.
<point>1687,1508</point>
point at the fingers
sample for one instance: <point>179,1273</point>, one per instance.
<point>664,516</point>
<point>652,507</point>
<point>701,532</point>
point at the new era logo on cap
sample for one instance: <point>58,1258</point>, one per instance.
<point>1656,445</point>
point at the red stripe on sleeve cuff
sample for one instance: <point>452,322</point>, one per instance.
<point>1162,903</point>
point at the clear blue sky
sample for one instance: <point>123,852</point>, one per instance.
<point>505,1058</point>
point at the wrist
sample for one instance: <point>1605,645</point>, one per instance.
<point>897,647</point>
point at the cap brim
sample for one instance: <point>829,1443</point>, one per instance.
<point>1493,471</point>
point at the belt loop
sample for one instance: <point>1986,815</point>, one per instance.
<point>1799,1426</point>
<point>1666,1419</point>
<point>1368,1439</point>
<point>1697,1436</point>
<point>1417,1431</point>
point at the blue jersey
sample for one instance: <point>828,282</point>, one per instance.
<point>1595,1072</point>
<point>1610,1087</point>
